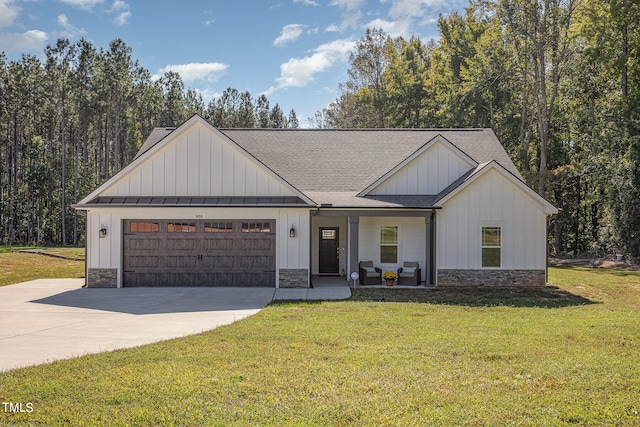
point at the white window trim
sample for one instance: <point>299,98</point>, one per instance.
<point>388,264</point>
<point>492,225</point>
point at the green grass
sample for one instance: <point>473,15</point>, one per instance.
<point>566,356</point>
<point>16,267</point>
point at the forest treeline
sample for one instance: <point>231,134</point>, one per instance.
<point>557,80</point>
<point>74,119</point>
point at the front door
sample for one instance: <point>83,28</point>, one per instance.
<point>329,261</point>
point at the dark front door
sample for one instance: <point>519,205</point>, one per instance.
<point>329,260</point>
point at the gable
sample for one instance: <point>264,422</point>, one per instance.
<point>496,192</point>
<point>196,161</point>
<point>429,170</point>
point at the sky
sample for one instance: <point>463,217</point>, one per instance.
<point>296,52</point>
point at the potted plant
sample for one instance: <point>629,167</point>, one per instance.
<point>389,277</point>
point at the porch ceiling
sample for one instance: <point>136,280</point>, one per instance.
<point>350,199</point>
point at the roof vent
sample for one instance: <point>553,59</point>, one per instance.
<point>169,128</point>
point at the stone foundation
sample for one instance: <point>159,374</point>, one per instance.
<point>294,278</point>
<point>102,278</point>
<point>492,278</point>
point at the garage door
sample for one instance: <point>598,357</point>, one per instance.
<point>199,253</point>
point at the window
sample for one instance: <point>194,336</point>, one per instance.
<point>389,244</point>
<point>491,246</point>
<point>181,227</point>
<point>256,227</point>
<point>329,234</point>
<point>218,227</point>
<point>143,227</point>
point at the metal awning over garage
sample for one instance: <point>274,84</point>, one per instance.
<point>263,201</point>
<point>199,252</point>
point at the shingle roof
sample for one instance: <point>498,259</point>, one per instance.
<point>350,160</point>
<point>156,135</point>
<point>331,166</point>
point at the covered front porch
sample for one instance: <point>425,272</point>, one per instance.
<point>341,238</point>
<point>321,282</point>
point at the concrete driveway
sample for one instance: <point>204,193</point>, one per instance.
<point>49,319</point>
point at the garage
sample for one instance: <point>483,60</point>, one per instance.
<point>199,252</point>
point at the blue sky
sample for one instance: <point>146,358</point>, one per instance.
<point>294,51</point>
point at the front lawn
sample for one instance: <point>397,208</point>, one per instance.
<point>16,267</point>
<point>570,357</point>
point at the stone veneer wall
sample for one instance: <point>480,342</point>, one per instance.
<point>492,278</point>
<point>102,278</point>
<point>294,278</point>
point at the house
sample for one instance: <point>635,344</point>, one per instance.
<point>200,206</point>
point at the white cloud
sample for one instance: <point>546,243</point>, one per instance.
<point>118,5</point>
<point>403,14</point>
<point>411,8</point>
<point>71,31</point>
<point>290,33</point>
<point>31,40</point>
<point>121,9</point>
<point>8,13</point>
<point>350,11</point>
<point>400,27</point>
<point>333,28</point>
<point>122,18</point>
<point>196,71</point>
<point>298,72</point>
<point>83,4</point>
<point>307,2</point>
<point>347,5</point>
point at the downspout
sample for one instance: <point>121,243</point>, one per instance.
<point>312,213</point>
<point>86,250</point>
<point>546,249</point>
<point>434,234</point>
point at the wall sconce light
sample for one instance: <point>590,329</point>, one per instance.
<point>292,231</point>
<point>103,231</point>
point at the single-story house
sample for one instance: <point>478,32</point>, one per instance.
<point>200,206</point>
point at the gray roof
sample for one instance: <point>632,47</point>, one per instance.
<point>156,135</point>
<point>331,166</point>
<point>351,160</point>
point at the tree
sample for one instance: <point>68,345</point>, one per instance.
<point>69,124</point>
<point>173,111</point>
<point>262,112</point>
<point>544,26</point>
<point>405,78</point>
<point>368,64</point>
<point>292,120</point>
<point>59,63</point>
<point>276,117</point>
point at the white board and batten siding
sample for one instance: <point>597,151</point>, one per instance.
<point>107,252</point>
<point>430,172</point>
<point>492,200</point>
<point>411,240</point>
<point>198,163</point>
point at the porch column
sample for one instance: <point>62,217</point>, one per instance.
<point>427,241</point>
<point>354,222</point>
<point>434,267</point>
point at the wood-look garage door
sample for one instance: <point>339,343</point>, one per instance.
<point>199,253</point>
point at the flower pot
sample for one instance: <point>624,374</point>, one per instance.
<point>389,282</point>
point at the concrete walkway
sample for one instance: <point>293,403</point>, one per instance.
<point>324,293</point>
<point>49,319</point>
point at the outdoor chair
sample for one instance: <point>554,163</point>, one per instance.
<point>409,274</point>
<point>369,275</point>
